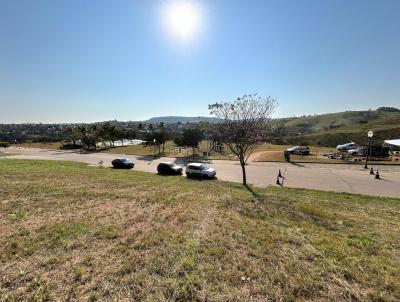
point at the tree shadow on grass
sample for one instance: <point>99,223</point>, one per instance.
<point>256,195</point>
<point>169,175</point>
<point>199,178</point>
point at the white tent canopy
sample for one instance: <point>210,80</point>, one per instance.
<point>394,142</point>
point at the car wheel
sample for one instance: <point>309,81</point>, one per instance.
<point>188,174</point>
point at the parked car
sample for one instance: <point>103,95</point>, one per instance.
<point>355,152</point>
<point>122,163</point>
<point>299,150</point>
<point>169,168</point>
<point>373,151</point>
<point>200,170</point>
<point>346,147</point>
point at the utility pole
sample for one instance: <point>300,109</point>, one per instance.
<point>370,135</point>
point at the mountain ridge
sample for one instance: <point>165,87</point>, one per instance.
<point>173,119</point>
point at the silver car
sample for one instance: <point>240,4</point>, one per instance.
<point>200,170</point>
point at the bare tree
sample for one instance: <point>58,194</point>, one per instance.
<point>245,123</point>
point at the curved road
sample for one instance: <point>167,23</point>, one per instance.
<point>329,177</point>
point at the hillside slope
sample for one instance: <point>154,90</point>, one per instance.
<point>335,128</point>
<point>75,233</point>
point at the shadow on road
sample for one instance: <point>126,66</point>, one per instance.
<point>296,164</point>
<point>148,159</point>
<point>382,179</point>
<point>190,159</point>
<point>62,152</point>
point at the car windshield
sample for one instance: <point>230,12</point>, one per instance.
<point>172,165</point>
<point>203,167</point>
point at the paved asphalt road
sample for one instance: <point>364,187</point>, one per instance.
<point>330,177</point>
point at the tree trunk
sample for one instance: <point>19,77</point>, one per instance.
<point>243,165</point>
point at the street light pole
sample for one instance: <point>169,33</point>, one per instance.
<point>370,135</point>
<point>154,142</point>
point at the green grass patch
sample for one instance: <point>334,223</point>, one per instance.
<point>18,215</point>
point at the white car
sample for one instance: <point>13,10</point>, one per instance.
<point>355,152</point>
<point>200,170</point>
<point>346,147</point>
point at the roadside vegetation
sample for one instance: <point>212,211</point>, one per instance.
<point>73,232</point>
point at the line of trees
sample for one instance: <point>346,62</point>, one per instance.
<point>157,136</point>
<point>190,137</point>
<point>91,135</point>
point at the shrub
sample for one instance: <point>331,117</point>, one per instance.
<point>4,144</point>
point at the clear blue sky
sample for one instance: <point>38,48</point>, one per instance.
<point>75,60</point>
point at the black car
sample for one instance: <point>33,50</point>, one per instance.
<point>169,168</point>
<point>299,150</point>
<point>122,163</point>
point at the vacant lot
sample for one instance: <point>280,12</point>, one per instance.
<point>71,232</point>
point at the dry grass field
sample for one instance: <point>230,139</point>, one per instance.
<point>75,233</point>
<point>55,145</point>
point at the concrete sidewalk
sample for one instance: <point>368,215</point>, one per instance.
<point>329,177</point>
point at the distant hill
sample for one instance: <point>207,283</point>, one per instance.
<point>181,119</point>
<point>335,128</point>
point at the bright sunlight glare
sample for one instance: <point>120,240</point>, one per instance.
<point>182,18</point>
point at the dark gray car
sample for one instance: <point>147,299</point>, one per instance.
<point>299,150</point>
<point>122,163</point>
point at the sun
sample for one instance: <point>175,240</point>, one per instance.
<point>182,18</point>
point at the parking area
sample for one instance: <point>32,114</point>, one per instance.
<point>330,177</point>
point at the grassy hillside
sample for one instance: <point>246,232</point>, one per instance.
<point>335,128</point>
<point>72,232</point>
